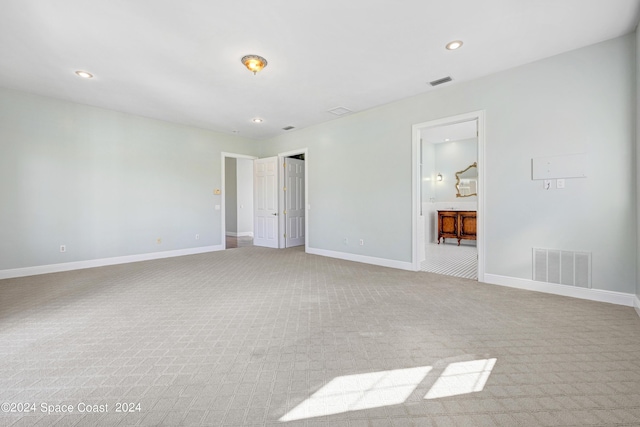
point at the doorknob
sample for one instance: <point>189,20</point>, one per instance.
<point>274,214</point>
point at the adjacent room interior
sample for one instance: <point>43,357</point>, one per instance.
<point>261,214</point>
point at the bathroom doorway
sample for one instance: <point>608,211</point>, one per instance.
<point>448,197</point>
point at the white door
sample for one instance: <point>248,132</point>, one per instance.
<point>294,202</point>
<point>265,201</point>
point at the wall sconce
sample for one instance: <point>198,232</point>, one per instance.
<point>439,177</point>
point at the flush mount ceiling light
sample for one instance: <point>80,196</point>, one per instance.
<point>456,44</point>
<point>84,74</point>
<point>254,63</point>
<point>257,120</point>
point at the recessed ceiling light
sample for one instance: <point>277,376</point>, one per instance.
<point>257,120</point>
<point>446,139</point>
<point>84,74</point>
<point>456,44</point>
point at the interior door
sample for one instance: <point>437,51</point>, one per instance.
<point>294,202</point>
<point>265,199</point>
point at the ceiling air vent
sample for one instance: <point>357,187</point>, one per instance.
<point>440,81</point>
<point>288,128</point>
<point>340,111</point>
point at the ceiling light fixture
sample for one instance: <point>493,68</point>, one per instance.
<point>456,44</point>
<point>84,74</point>
<point>257,120</point>
<point>254,63</point>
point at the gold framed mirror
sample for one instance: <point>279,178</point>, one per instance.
<point>467,181</point>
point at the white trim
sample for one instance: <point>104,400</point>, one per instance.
<point>281,199</point>
<point>79,265</point>
<point>383,262</point>
<point>636,305</point>
<point>415,184</point>
<point>239,234</point>
<point>223,215</point>
<point>600,295</point>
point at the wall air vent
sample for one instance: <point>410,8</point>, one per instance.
<point>562,267</point>
<point>440,81</point>
<point>340,111</point>
<point>288,128</point>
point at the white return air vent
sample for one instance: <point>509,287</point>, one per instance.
<point>562,267</point>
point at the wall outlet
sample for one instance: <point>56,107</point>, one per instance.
<point>361,242</point>
<point>63,248</point>
<point>560,183</point>
<point>197,237</point>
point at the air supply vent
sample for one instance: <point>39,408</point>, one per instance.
<point>440,81</point>
<point>288,128</point>
<point>340,111</point>
<point>562,267</point>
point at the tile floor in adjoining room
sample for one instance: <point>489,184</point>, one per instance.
<point>451,260</point>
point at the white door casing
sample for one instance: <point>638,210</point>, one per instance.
<point>479,116</point>
<point>294,209</point>
<point>265,200</point>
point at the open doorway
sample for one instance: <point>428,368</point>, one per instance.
<point>449,202</point>
<point>448,197</point>
<point>237,200</point>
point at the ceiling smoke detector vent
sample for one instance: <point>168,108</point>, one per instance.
<point>440,81</point>
<point>340,111</point>
<point>288,128</point>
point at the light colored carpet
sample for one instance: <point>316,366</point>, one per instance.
<point>255,336</point>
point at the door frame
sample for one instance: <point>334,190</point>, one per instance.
<point>416,183</point>
<point>223,229</point>
<point>281,196</point>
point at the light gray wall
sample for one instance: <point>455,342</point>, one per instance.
<point>231,197</point>
<point>103,183</point>
<point>638,157</point>
<point>580,101</point>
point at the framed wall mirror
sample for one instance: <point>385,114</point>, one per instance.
<point>467,181</point>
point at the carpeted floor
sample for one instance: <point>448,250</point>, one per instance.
<point>255,336</point>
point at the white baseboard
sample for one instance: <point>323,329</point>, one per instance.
<point>383,262</point>
<point>600,295</point>
<point>78,265</point>
<point>239,234</point>
<point>637,304</point>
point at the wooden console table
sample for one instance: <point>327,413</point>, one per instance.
<point>456,225</point>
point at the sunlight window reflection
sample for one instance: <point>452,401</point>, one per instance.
<point>360,391</point>
<point>461,378</point>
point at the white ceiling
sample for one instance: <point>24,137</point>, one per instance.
<point>180,60</point>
